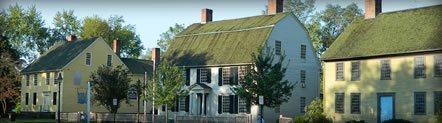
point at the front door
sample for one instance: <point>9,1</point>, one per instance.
<point>46,101</point>
<point>386,107</point>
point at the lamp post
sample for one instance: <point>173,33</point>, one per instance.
<point>59,79</point>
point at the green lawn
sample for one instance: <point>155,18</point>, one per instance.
<point>5,120</point>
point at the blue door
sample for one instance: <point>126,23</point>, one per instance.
<point>386,108</point>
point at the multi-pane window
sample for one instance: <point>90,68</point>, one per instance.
<point>355,71</point>
<point>303,51</point>
<point>81,98</point>
<point>419,102</point>
<point>27,79</point>
<point>54,99</point>
<point>88,58</point>
<point>242,105</point>
<point>419,67</point>
<point>26,98</point>
<point>226,76</point>
<point>339,71</point>
<point>438,66</point>
<point>302,78</point>
<point>109,60</point>
<point>437,101</point>
<point>48,78</point>
<point>35,79</point>
<point>34,99</point>
<point>302,105</point>
<point>355,103</point>
<point>55,77</point>
<point>278,47</point>
<point>182,104</point>
<point>204,75</point>
<point>385,70</point>
<point>339,102</point>
<point>226,104</point>
<point>242,73</point>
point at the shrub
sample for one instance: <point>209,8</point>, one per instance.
<point>356,121</point>
<point>315,111</point>
<point>299,119</point>
<point>397,121</point>
<point>439,113</point>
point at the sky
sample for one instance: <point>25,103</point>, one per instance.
<point>153,17</point>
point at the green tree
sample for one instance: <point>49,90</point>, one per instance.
<point>166,38</point>
<point>439,113</point>
<point>302,9</point>
<point>147,55</point>
<point>66,23</point>
<point>113,29</point>
<point>265,78</point>
<point>165,85</point>
<point>9,75</point>
<point>109,83</point>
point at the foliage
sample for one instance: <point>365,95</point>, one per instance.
<point>302,9</point>
<point>9,82</point>
<point>265,78</point>
<point>109,83</point>
<point>439,113</point>
<point>17,105</point>
<point>355,121</point>
<point>66,23</point>
<point>113,29</point>
<point>166,38</point>
<point>299,119</point>
<point>165,85</point>
<point>314,110</point>
<point>147,55</point>
<point>397,121</point>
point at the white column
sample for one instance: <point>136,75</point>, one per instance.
<point>204,103</point>
<point>190,103</point>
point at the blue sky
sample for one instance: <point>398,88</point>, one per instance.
<point>152,17</point>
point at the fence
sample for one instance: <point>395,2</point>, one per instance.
<point>101,117</point>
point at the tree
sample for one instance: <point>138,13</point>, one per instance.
<point>165,85</point>
<point>108,84</point>
<point>113,29</point>
<point>147,55</point>
<point>9,76</point>
<point>66,23</point>
<point>166,38</point>
<point>302,9</point>
<point>265,78</point>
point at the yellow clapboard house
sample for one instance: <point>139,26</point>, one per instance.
<point>75,60</point>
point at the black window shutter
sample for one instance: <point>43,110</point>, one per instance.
<point>209,75</point>
<point>232,105</point>
<point>172,108</point>
<point>163,108</point>
<point>248,106</point>
<point>220,104</point>
<point>198,78</point>
<point>177,103</point>
<point>235,103</point>
<point>188,77</point>
<point>220,77</point>
<point>234,76</point>
<point>187,103</point>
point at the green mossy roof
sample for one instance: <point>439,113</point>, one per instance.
<point>221,42</point>
<point>59,55</point>
<point>138,66</point>
<point>390,33</point>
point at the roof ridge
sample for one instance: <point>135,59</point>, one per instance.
<point>247,17</point>
<point>216,32</point>
<point>410,9</point>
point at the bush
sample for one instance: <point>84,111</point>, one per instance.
<point>299,119</point>
<point>439,113</point>
<point>356,121</point>
<point>397,121</point>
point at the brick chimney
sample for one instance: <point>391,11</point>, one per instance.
<point>206,15</point>
<point>116,47</point>
<point>372,8</point>
<point>274,6</point>
<point>72,38</point>
<point>156,55</point>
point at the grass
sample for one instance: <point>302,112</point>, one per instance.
<point>6,120</point>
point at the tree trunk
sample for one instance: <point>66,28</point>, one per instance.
<point>4,105</point>
<point>167,117</point>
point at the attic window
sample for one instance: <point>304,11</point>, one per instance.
<point>278,47</point>
<point>109,60</point>
<point>303,51</point>
<point>88,58</point>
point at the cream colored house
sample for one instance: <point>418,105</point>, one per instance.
<point>75,60</point>
<point>386,66</point>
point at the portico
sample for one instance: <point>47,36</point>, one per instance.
<point>199,92</point>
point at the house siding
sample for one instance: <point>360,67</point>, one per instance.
<point>402,84</point>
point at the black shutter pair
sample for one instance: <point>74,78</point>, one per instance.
<point>220,77</point>
<point>234,76</point>
<point>220,104</point>
<point>187,103</point>
<point>198,75</point>
<point>188,77</point>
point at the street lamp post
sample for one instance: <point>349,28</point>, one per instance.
<point>59,79</point>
